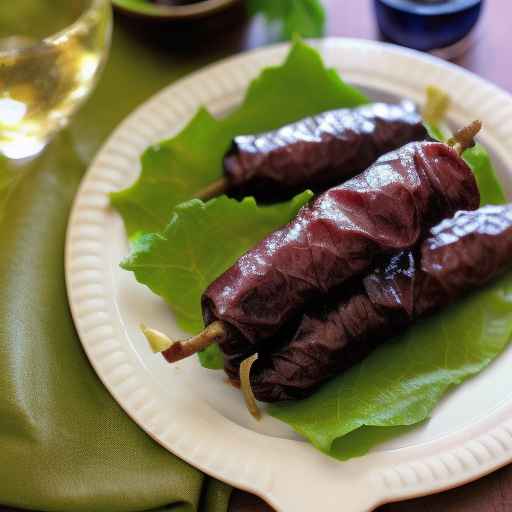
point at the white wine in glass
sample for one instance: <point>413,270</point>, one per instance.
<point>51,53</point>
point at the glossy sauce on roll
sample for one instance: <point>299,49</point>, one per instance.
<point>460,254</point>
<point>386,209</point>
<point>320,151</point>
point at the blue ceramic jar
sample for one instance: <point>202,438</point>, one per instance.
<point>427,24</point>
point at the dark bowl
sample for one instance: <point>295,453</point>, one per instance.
<point>148,10</point>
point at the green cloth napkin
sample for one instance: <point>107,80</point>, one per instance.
<point>65,444</point>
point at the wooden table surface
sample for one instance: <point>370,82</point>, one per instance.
<point>490,58</point>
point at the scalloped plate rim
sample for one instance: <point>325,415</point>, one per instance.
<point>412,471</point>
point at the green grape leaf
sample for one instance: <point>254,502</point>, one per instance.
<point>395,388</point>
<point>303,17</point>
<point>489,186</point>
<point>211,358</point>
<point>202,241</point>
<point>173,170</point>
<point>400,383</point>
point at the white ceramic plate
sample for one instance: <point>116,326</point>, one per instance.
<point>190,410</point>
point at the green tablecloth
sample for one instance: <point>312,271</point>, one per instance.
<point>65,444</point>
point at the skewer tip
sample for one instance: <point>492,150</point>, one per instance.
<point>176,350</point>
<point>214,189</point>
<point>158,341</point>
<point>465,137</point>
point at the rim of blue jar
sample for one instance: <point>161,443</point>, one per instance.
<point>430,7</point>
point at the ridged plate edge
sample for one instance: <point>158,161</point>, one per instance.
<point>290,475</point>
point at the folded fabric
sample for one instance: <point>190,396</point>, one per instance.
<point>65,444</point>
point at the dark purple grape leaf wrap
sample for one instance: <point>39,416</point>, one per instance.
<point>383,210</point>
<point>461,254</point>
<point>320,151</point>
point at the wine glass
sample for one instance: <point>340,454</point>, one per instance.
<point>51,54</point>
